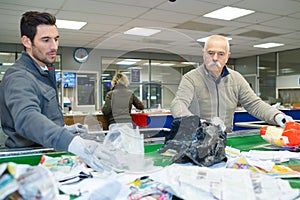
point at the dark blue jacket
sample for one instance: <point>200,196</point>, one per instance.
<point>29,107</point>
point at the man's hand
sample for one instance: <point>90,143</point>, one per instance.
<point>77,128</point>
<point>93,153</point>
<point>281,119</point>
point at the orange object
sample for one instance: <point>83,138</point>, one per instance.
<point>287,137</point>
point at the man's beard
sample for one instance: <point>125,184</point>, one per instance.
<point>38,55</point>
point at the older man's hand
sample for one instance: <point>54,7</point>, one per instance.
<point>281,119</point>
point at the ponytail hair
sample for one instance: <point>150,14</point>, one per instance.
<point>119,78</point>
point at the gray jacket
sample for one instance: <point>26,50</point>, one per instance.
<point>118,104</point>
<point>201,94</point>
<point>30,111</point>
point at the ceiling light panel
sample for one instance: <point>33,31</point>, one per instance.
<point>268,45</point>
<point>228,13</point>
<point>205,38</point>
<point>128,61</point>
<point>66,24</point>
<point>142,31</point>
<point>124,62</point>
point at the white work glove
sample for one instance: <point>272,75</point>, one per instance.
<point>93,153</point>
<point>77,128</point>
<point>280,119</point>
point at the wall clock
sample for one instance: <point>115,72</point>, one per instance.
<point>81,55</point>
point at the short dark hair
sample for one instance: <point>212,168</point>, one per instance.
<point>30,20</point>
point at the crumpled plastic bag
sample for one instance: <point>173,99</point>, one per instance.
<point>33,182</point>
<point>123,137</point>
<point>202,143</point>
<point>127,144</point>
<point>282,137</point>
<point>95,129</point>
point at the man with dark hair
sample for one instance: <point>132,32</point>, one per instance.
<point>30,112</point>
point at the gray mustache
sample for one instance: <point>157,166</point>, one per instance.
<point>214,64</point>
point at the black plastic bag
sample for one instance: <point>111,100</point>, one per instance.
<point>202,143</point>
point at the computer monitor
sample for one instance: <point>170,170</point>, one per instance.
<point>69,79</point>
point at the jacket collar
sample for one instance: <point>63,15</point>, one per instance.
<point>31,65</point>
<point>225,72</point>
<point>119,86</point>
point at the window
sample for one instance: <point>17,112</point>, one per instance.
<point>153,81</point>
<point>289,62</point>
<point>267,73</point>
<point>6,60</point>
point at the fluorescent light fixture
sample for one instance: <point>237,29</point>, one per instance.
<point>160,64</point>
<point>128,61</point>
<point>166,64</point>
<point>205,38</point>
<point>124,62</point>
<point>287,69</point>
<point>133,60</point>
<point>263,68</point>
<point>142,31</point>
<point>154,63</point>
<point>228,13</point>
<point>268,45</point>
<point>66,24</point>
<point>7,64</point>
<point>135,68</point>
<point>188,63</point>
<point>5,54</point>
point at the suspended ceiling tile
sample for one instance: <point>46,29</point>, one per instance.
<point>166,16</point>
<point>198,26</point>
<point>284,23</point>
<point>92,18</point>
<point>258,34</point>
<point>279,7</point>
<point>94,7</point>
<point>190,7</point>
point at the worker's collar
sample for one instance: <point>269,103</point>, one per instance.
<point>44,68</point>
<point>120,85</point>
<point>224,73</point>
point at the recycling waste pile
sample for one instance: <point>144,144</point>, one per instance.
<point>183,167</point>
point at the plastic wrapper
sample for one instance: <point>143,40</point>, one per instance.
<point>144,188</point>
<point>282,137</point>
<point>27,182</point>
<point>123,137</point>
<point>95,129</point>
<point>201,143</point>
<point>127,144</point>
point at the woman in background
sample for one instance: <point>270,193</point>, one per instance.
<point>119,101</point>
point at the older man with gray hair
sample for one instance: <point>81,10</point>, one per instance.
<point>213,90</point>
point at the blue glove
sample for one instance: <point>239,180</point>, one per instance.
<point>77,128</point>
<point>281,119</point>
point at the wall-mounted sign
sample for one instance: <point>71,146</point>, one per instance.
<point>135,76</point>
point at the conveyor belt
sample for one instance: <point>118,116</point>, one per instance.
<point>4,153</point>
<point>148,134</point>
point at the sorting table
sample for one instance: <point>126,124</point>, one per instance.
<point>243,140</point>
